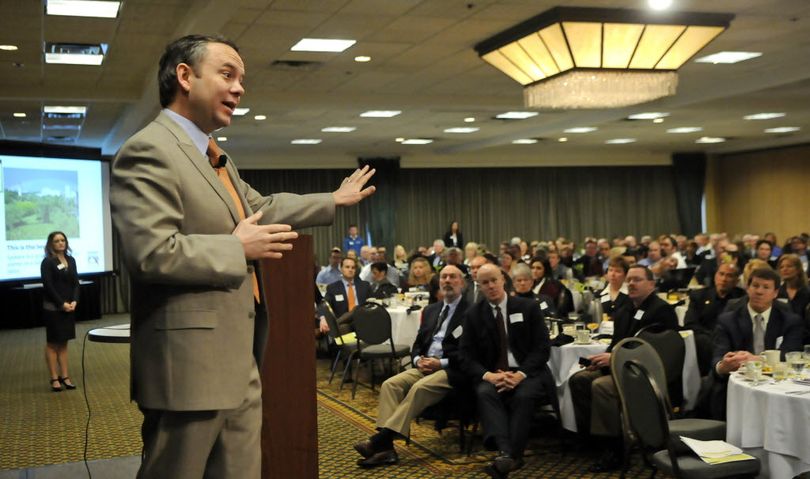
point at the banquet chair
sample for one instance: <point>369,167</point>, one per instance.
<point>458,407</point>
<point>670,347</point>
<point>649,419</point>
<point>372,325</point>
<point>637,349</point>
<point>346,344</point>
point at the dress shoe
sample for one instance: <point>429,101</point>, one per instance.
<point>67,382</point>
<point>365,448</point>
<point>495,473</point>
<point>58,385</point>
<point>382,458</point>
<point>503,463</point>
<point>608,462</point>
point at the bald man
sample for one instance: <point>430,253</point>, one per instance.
<point>504,349</point>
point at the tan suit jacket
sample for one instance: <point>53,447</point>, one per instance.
<point>193,319</point>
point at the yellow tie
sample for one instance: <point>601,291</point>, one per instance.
<point>352,300</point>
<point>213,154</point>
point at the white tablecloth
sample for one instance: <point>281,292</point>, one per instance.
<point>404,325</point>
<point>564,363</point>
<point>771,425</point>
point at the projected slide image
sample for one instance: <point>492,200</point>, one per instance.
<point>40,201</point>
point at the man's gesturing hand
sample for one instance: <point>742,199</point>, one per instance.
<point>351,190</point>
<point>263,241</point>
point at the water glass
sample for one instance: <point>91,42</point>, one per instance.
<point>796,363</point>
<point>780,371</point>
<point>753,370</point>
<point>583,336</point>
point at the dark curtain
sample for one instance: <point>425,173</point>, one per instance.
<point>689,178</point>
<point>380,210</point>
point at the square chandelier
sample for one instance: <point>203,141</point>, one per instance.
<point>572,57</point>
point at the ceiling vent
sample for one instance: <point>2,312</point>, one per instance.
<point>295,65</point>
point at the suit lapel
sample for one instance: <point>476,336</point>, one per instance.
<point>774,329</point>
<point>745,324</point>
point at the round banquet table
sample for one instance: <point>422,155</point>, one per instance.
<point>404,324</point>
<point>118,333</point>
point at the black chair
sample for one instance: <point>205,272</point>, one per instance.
<point>372,324</point>
<point>346,347</point>
<point>670,347</point>
<point>649,418</point>
<point>636,349</point>
<point>458,407</point>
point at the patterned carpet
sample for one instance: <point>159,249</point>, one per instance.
<point>38,427</point>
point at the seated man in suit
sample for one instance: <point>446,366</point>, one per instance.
<point>504,349</point>
<point>435,372</point>
<point>750,330</point>
<point>472,293</point>
<point>705,305</point>
<point>344,295</point>
<point>596,401</point>
<point>381,287</point>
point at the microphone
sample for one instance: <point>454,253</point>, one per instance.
<point>222,161</point>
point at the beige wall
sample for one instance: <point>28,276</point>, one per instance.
<point>760,191</point>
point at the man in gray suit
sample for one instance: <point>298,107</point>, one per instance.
<point>191,231</point>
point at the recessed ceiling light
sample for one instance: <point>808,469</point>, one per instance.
<point>260,117</point>
<point>580,129</point>
<point>783,129</point>
<point>19,115</point>
<point>417,141</point>
<point>710,139</point>
<point>362,58</point>
<point>728,57</point>
<point>380,113</point>
<point>763,116</point>
<point>562,139</point>
<point>82,8</point>
<point>461,130</point>
<point>8,48</point>
<point>524,141</point>
<point>469,119</point>
<point>75,53</point>
<point>306,141</point>
<point>322,45</point>
<point>81,110</point>
<point>240,111</point>
<point>516,115</point>
<point>400,140</point>
<point>338,129</point>
<point>222,138</point>
<point>620,141</point>
<point>658,120</point>
<point>650,115</point>
<point>685,129</point>
<point>659,4</point>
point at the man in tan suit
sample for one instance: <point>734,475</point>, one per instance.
<point>191,231</point>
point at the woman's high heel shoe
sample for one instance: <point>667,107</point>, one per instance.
<point>68,385</point>
<point>58,387</point>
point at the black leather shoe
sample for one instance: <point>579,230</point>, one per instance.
<point>382,458</point>
<point>495,473</point>
<point>68,385</point>
<point>58,387</point>
<point>608,462</point>
<point>365,448</point>
<point>504,463</point>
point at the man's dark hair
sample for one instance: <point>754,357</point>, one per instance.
<point>491,259</point>
<point>189,50</point>
<point>647,271</point>
<point>348,258</point>
<point>767,274</point>
<point>762,242</point>
<point>379,266</point>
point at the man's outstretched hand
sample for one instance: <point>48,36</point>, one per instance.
<point>351,190</point>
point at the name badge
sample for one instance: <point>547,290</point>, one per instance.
<point>778,342</point>
<point>338,297</point>
<point>457,332</point>
<point>605,298</point>
<point>60,266</point>
<point>516,318</point>
<point>784,300</point>
<point>639,315</point>
<point>543,306</point>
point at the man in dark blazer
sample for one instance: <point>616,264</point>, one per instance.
<point>436,371</point>
<point>747,331</point>
<point>472,293</point>
<point>596,401</point>
<point>344,295</point>
<point>504,350</point>
<point>191,232</point>
<point>705,305</point>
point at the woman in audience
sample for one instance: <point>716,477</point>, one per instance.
<point>419,275</point>
<point>764,251</point>
<point>614,296</point>
<point>61,292</point>
<point>544,284</point>
<point>794,284</point>
<point>453,237</point>
<point>522,284</point>
<point>506,260</point>
<point>470,252</point>
<point>400,259</point>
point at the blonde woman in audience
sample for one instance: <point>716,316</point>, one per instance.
<point>470,252</point>
<point>794,290</point>
<point>400,259</point>
<point>420,275</point>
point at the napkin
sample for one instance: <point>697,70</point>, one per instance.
<point>715,452</point>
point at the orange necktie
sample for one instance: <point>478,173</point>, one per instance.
<point>213,154</point>
<point>352,300</point>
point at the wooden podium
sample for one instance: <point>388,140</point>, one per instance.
<point>289,415</point>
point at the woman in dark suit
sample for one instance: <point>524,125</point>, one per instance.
<point>545,284</point>
<point>794,291</point>
<point>614,296</point>
<point>61,284</point>
<point>453,237</point>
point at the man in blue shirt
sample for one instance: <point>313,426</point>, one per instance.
<point>353,241</point>
<point>331,272</point>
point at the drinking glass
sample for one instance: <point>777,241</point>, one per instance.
<point>753,370</point>
<point>780,371</point>
<point>796,362</point>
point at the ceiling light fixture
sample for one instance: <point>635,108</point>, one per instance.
<point>260,117</point>
<point>524,141</point>
<point>78,110</point>
<point>83,8</point>
<point>327,45</point>
<point>620,141</point>
<point>685,129</point>
<point>728,57</point>
<point>306,141</point>
<point>658,120</point>
<point>763,116</point>
<point>469,119</point>
<point>659,4</point>
<point>399,140</point>
<point>562,139</point>
<point>8,48</point>
<point>222,138</point>
<point>417,141</point>
<point>362,59</point>
<point>75,53</point>
<point>380,113</point>
<point>19,115</point>
<point>580,129</point>
<point>516,115</point>
<point>461,130</point>
<point>338,129</point>
<point>710,139</point>
<point>240,111</point>
<point>783,129</point>
<point>570,57</point>
<point>650,115</point>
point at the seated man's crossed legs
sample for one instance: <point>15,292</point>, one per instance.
<point>597,410</point>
